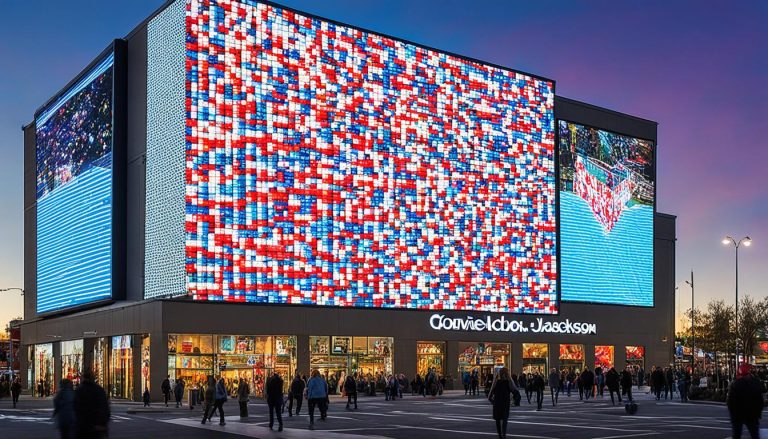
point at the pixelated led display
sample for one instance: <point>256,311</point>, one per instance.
<point>74,193</point>
<point>326,165</point>
<point>607,193</point>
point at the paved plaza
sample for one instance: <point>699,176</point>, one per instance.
<point>450,416</point>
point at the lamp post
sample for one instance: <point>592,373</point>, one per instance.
<point>693,332</point>
<point>10,336</point>
<point>747,241</point>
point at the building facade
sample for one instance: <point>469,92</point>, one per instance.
<point>237,188</point>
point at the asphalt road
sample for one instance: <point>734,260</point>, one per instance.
<point>450,416</point>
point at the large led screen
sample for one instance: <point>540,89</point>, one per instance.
<point>607,191</point>
<point>327,165</point>
<point>74,193</point>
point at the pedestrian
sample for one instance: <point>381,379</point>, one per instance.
<point>588,382</point>
<point>166,388</point>
<point>91,409</point>
<point>474,382</point>
<point>657,381</point>
<point>350,388</point>
<point>296,392</point>
<point>146,397</point>
<point>522,382</point>
<point>501,387</point>
<point>15,391</point>
<point>420,385</point>
<point>317,394</point>
<point>178,391</point>
<point>599,380</point>
<point>571,381</point>
<point>209,400</point>
<point>538,387</point>
<point>640,377</point>
<point>745,403</point>
<point>529,388</point>
<point>243,390</point>
<point>612,382</point>
<point>465,380</point>
<point>274,396</point>
<point>220,398</point>
<point>669,383</point>
<point>489,377</point>
<point>683,385</point>
<point>554,385</point>
<point>579,385</point>
<point>626,384</point>
<point>64,409</point>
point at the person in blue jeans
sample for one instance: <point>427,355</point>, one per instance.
<point>317,396</point>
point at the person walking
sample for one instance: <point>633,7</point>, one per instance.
<point>489,377</point>
<point>580,386</point>
<point>626,384</point>
<point>522,382</point>
<point>91,409</point>
<point>669,383</point>
<point>501,387</point>
<point>296,393</point>
<point>64,409</point>
<point>220,399</point>
<point>599,380</point>
<point>465,380</point>
<point>588,382</point>
<point>745,403</point>
<point>612,382</point>
<point>317,394</point>
<point>657,381</point>
<point>570,378</point>
<point>350,388</point>
<point>209,400</point>
<point>683,384</point>
<point>243,391</point>
<point>640,377</point>
<point>554,385</point>
<point>538,387</point>
<point>474,382</point>
<point>166,389</point>
<point>15,391</point>
<point>178,391</point>
<point>529,388</point>
<point>274,396</point>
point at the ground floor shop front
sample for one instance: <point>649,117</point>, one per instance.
<point>129,350</point>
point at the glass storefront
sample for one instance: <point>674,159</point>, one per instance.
<point>485,357</point>
<point>572,356</point>
<point>535,358</point>
<point>121,367</point>
<point>430,355</point>
<point>341,355</point>
<point>253,358</point>
<point>42,370</point>
<point>72,360</point>
<point>635,357</point>
<point>144,363</point>
<point>101,361</point>
<point>604,357</point>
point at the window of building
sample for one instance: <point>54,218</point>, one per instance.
<point>535,358</point>
<point>572,356</point>
<point>430,355</point>
<point>121,367</point>
<point>42,370</point>
<point>72,360</point>
<point>604,356</point>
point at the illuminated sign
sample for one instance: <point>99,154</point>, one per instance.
<point>441,322</point>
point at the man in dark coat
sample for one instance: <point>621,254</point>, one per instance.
<point>626,384</point>
<point>166,388</point>
<point>538,387</point>
<point>15,391</point>
<point>669,381</point>
<point>296,392</point>
<point>657,381</point>
<point>588,381</point>
<point>350,388</point>
<point>274,395</point>
<point>612,382</point>
<point>745,403</point>
<point>179,391</point>
<point>91,408</point>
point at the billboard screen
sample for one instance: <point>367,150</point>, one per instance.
<point>74,136</point>
<point>327,165</point>
<point>607,199</point>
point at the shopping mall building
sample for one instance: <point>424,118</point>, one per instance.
<point>237,188</point>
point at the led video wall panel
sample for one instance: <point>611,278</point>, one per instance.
<point>326,165</point>
<point>607,199</point>
<point>74,158</point>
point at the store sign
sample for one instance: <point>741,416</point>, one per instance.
<point>441,322</point>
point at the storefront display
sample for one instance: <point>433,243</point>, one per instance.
<point>144,362</point>
<point>604,356</point>
<point>485,357</point>
<point>42,370</point>
<point>636,356</point>
<point>121,367</point>
<point>430,355</point>
<point>535,357</point>
<point>572,356</point>
<point>72,360</point>
<point>341,355</point>
<point>101,361</point>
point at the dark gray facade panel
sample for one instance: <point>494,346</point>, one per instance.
<point>136,148</point>
<point>587,114</point>
<point>30,222</point>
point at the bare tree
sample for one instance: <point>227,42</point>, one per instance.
<point>753,320</point>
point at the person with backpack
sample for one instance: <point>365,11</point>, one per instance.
<point>166,389</point>
<point>91,408</point>
<point>350,388</point>
<point>296,393</point>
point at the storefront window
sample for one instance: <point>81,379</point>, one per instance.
<point>100,361</point>
<point>43,370</point>
<point>484,357</point>
<point>572,356</point>
<point>121,367</point>
<point>338,356</point>
<point>190,358</point>
<point>535,357</point>
<point>144,363</point>
<point>430,355</point>
<point>72,360</point>
<point>635,358</point>
<point>604,356</point>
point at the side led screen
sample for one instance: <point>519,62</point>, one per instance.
<point>326,165</point>
<point>74,193</point>
<point>607,191</point>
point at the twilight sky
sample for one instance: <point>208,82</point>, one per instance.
<point>697,68</point>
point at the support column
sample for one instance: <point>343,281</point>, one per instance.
<point>158,364</point>
<point>553,358</point>
<point>405,357</point>
<point>589,356</point>
<point>136,361</point>
<point>56,366</point>
<point>302,354</point>
<point>452,365</point>
<point>88,345</point>
<point>517,358</point>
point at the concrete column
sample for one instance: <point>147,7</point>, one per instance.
<point>405,357</point>
<point>302,354</point>
<point>24,366</point>
<point>452,365</point>
<point>158,363</point>
<point>517,358</point>
<point>136,360</point>
<point>589,356</point>
<point>88,345</point>
<point>553,359</point>
<point>56,366</point>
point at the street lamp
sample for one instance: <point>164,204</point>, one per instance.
<point>747,241</point>
<point>693,332</point>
